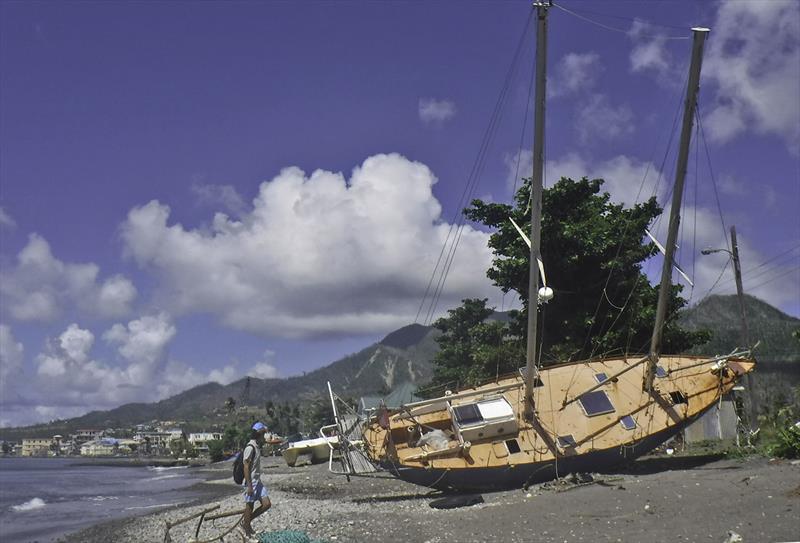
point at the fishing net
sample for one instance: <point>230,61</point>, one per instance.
<point>286,536</point>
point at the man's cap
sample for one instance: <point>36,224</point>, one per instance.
<point>259,427</point>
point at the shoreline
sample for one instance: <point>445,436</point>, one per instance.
<point>211,491</point>
<point>654,499</point>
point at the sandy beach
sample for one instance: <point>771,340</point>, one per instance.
<point>655,499</point>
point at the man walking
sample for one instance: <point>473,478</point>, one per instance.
<point>255,491</point>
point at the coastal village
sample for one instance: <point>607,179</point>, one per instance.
<point>158,439</point>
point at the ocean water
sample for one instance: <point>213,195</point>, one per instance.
<point>43,498</point>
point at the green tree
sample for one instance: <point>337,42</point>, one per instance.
<point>473,349</point>
<point>593,253</point>
<point>216,450</point>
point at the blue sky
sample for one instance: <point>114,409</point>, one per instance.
<point>202,191</point>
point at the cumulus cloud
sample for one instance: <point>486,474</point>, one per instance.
<point>754,62</point>
<point>68,379</point>
<point>575,72</point>
<point>649,52</point>
<point>265,369</point>
<point>6,220</point>
<point>40,286</point>
<point>316,255</point>
<point>223,195</point>
<point>597,118</point>
<point>11,352</point>
<point>627,180</point>
<point>432,110</point>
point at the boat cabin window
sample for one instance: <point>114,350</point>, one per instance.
<point>678,397</point>
<point>491,417</point>
<point>661,372</point>
<point>566,441</point>
<point>513,446</point>
<point>601,377</point>
<point>467,414</point>
<point>596,403</point>
<point>628,422</point>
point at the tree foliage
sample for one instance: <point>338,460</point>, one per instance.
<point>473,349</point>
<point>593,253</point>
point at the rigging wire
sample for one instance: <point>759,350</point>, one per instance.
<point>452,239</point>
<point>522,135</point>
<point>620,30</point>
<point>699,120</point>
<point>659,179</point>
<point>631,19</point>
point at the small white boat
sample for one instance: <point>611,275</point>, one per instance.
<point>314,451</point>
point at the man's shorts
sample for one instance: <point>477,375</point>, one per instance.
<point>259,492</point>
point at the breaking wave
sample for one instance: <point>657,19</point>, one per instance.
<point>30,505</point>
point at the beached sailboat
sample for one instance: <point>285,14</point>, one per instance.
<point>539,424</point>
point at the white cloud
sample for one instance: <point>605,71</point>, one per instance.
<point>596,118</point>
<point>265,369</point>
<point>649,51</point>
<point>69,380</point>
<point>11,352</point>
<point>627,180</point>
<point>6,220</point>
<point>432,110</point>
<point>224,195</point>
<point>754,61</point>
<point>316,255</point>
<point>40,287</point>
<point>575,72</point>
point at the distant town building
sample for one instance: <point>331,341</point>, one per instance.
<point>152,442</point>
<point>82,436</point>
<point>200,440</point>
<point>36,446</point>
<point>100,447</point>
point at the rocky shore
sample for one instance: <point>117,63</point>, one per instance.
<point>655,499</point>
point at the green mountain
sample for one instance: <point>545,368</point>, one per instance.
<point>721,315</point>
<point>404,355</point>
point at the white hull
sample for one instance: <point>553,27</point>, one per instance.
<point>315,450</point>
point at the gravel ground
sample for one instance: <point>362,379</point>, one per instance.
<point>656,499</point>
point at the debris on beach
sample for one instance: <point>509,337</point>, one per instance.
<point>286,536</point>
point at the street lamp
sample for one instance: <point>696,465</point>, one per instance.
<point>737,271</point>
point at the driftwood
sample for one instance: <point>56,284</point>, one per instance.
<point>204,516</point>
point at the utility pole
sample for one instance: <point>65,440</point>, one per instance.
<point>749,399</point>
<point>737,271</point>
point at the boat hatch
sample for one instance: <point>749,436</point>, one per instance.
<point>628,422</point>
<point>596,403</point>
<point>567,441</point>
<point>661,372</point>
<point>601,377</point>
<point>483,419</point>
<point>513,446</point>
<point>467,414</point>
<point>678,397</point>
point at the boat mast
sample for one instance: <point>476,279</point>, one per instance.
<point>690,106</point>
<point>531,372</point>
